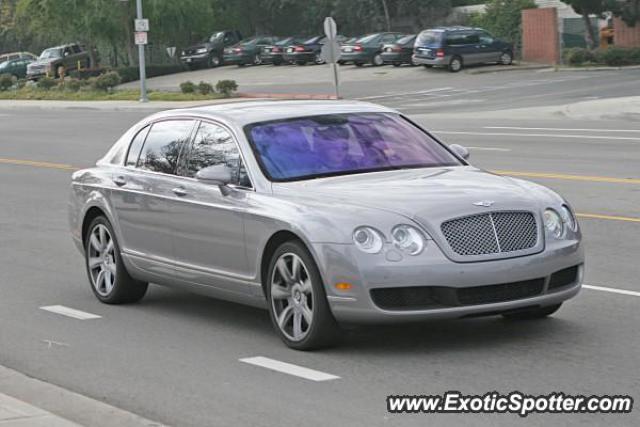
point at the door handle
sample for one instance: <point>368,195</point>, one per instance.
<point>179,191</point>
<point>119,181</point>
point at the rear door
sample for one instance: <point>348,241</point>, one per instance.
<point>465,44</point>
<point>208,221</point>
<point>142,190</point>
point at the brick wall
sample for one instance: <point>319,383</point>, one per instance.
<point>625,36</point>
<point>540,36</point>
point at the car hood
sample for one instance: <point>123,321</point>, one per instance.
<point>428,196</point>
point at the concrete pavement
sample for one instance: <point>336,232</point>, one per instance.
<point>179,358</point>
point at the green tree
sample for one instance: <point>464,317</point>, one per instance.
<point>503,18</point>
<point>627,10</point>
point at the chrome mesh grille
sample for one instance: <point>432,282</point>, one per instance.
<point>491,233</point>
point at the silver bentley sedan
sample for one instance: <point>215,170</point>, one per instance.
<point>324,212</point>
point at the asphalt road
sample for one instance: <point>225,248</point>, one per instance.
<point>174,357</point>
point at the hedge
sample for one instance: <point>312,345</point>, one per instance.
<point>129,74</point>
<point>613,56</point>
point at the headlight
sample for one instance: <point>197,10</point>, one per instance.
<point>553,223</point>
<point>408,239</point>
<point>568,218</point>
<point>202,50</point>
<point>368,239</point>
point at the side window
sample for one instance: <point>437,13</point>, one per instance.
<point>485,38</point>
<point>455,39</point>
<point>76,48</point>
<point>135,147</point>
<point>472,38</point>
<point>162,147</point>
<point>214,145</point>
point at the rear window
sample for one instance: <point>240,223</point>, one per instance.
<point>369,39</point>
<point>430,38</point>
<point>406,40</point>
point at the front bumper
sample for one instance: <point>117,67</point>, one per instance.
<point>441,61</point>
<point>194,59</point>
<point>345,263</point>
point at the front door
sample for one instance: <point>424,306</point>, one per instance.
<point>208,221</point>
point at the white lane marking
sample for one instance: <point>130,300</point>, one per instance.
<point>70,312</point>
<point>393,95</point>
<point>564,129</point>
<point>541,135</point>
<point>288,368</point>
<point>612,290</point>
<point>488,148</point>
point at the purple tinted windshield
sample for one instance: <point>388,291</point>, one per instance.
<point>341,144</point>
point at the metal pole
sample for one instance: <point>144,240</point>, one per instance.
<point>141,61</point>
<point>335,79</point>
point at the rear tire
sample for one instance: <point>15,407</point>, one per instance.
<point>532,313</point>
<point>377,60</point>
<point>455,65</point>
<point>299,309</point>
<point>110,281</point>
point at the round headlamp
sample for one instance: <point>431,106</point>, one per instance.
<point>408,239</point>
<point>368,239</point>
<point>553,223</point>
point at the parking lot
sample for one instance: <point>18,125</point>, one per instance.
<point>175,357</point>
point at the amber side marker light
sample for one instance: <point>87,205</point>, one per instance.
<point>343,286</point>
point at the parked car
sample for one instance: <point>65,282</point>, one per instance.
<point>400,52</point>
<point>274,54</point>
<point>210,52</point>
<point>17,55</point>
<point>309,50</point>
<point>58,61</point>
<point>457,47</point>
<point>248,51</point>
<point>367,49</point>
<point>323,212</point>
<point>15,67</point>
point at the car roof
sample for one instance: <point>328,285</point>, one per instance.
<point>247,112</point>
<point>451,29</point>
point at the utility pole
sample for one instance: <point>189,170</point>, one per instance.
<point>141,42</point>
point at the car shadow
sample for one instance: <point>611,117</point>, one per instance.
<point>430,337</point>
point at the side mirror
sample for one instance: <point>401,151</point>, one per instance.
<point>215,175</point>
<point>460,150</point>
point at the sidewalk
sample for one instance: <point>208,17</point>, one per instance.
<point>28,402</point>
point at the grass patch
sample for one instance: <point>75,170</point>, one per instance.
<point>31,93</point>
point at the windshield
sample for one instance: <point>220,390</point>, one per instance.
<point>216,37</point>
<point>51,53</point>
<point>368,39</point>
<point>405,40</point>
<point>343,144</point>
<point>429,38</point>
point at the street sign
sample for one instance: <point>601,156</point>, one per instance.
<point>142,25</point>
<point>330,28</point>
<point>141,38</point>
<point>171,51</point>
<point>331,52</point>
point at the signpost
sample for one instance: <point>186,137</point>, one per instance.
<point>141,27</point>
<point>331,50</point>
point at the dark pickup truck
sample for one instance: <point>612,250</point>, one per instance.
<point>58,61</point>
<point>210,52</point>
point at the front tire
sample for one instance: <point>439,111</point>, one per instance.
<point>108,276</point>
<point>298,304</point>
<point>377,60</point>
<point>532,313</point>
<point>506,58</point>
<point>214,61</point>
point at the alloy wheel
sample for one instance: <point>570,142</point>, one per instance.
<point>292,297</point>
<point>377,60</point>
<point>319,59</point>
<point>506,59</point>
<point>456,65</point>
<point>101,260</point>
<point>257,60</point>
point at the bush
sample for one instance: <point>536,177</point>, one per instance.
<point>617,56</point>
<point>6,81</point>
<point>46,83</point>
<point>107,81</point>
<point>87,73</point>
<point>187,87</point>
<point>205,88</point>
<point>73,85</point>
<point>579,56</point>
<point>227,87</point>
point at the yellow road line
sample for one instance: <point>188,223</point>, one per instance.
<point>608,217</point>
<point>570,177</point>
<point>32,163</point>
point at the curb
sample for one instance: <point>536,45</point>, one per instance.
<point>509,68</point>
<point>67,404</point>
<point>298,96</point>
<point>571,69</point>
